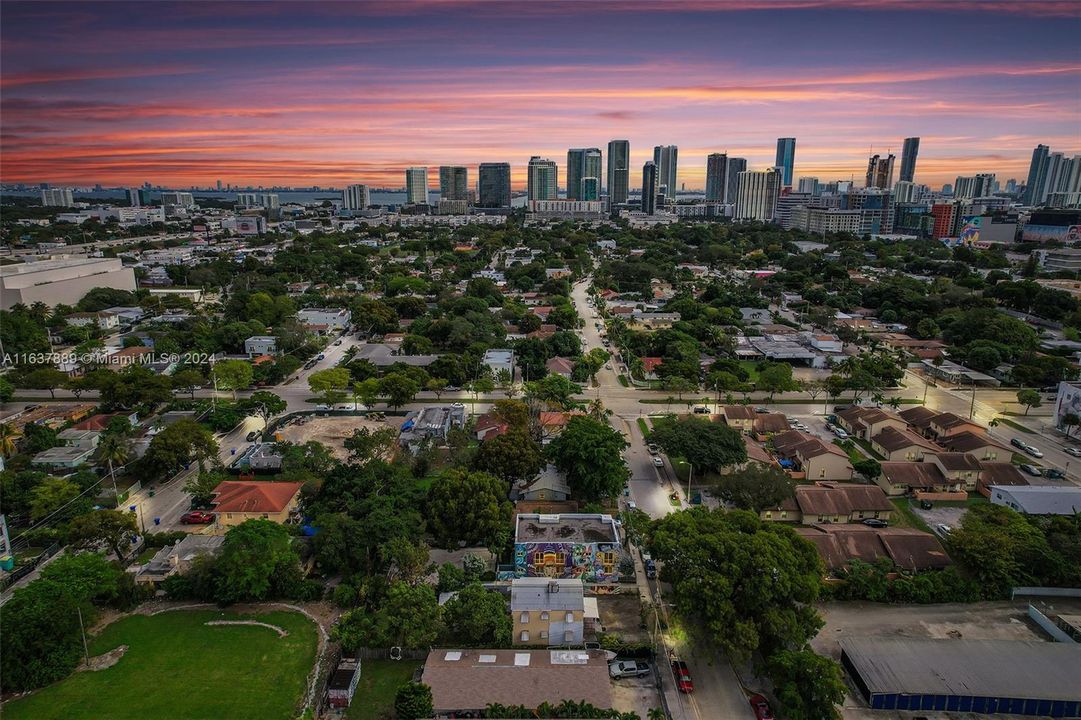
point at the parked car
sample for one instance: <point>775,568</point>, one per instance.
<point>1031,470</point>
<point>761,708</point>
<point>701,410</point>
<point>875,523</point>
<point>627,668</point>
<point>337,342</point>
<point>761,410</point>
<point>1076,452</point>
<point>252,435</point>
<point>840,432</point>
<point>683,676</point>
<point>322,356</point>
<point>197,517</point>
<point>926,504</point>
<point>1017,443</point>
<point>651,567</point>
<point>839,408</point>
<point>657,462</point>
<point>1033,451</point>
<point>653,449</point>
<point>943,529</point>
<point>1054,474</point>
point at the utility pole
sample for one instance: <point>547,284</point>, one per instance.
<point>86,650</point>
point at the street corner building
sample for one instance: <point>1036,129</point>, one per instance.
<point>1036,679</point>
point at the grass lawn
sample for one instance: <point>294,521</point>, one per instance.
<point>623,381</point>
<point>177,667</point>
<point>1014,425</point>
<point>749,366</point>
<point>867,449</point>
<point>144,556</point>
<point>379,681</point>
<point>904,517</point>
<point>644,427</point>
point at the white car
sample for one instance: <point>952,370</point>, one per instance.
<point>943,529</point>
<point>840,432</point>
<point>657,462</point>
<point>1033,451</point>
<point>1076,452</point>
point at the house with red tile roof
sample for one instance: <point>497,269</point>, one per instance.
<point>236,501</point>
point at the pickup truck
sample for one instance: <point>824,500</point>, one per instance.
<point>627,668</point>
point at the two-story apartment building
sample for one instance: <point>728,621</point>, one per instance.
<point>978,445</point>
<point>897,445</point>
<point>816,459</point>
<point>958,468</point>
<point>866,422</point>
<point>908,478</point>
<point>740,417</point>
<point>547,611</point>
<point>832,503</point>
<point>572,545</point>
<point>325,319</point>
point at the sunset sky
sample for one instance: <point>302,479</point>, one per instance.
<point>334,93</point>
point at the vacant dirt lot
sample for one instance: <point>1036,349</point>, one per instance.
<point>333,430</point>
<point>621,614</point>
<point>636,695</point>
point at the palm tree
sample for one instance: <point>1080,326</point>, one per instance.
<point>8,436</point>
<point>114,449</point>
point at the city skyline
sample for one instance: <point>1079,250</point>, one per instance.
<point>337,94</point>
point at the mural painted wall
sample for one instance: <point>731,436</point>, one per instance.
<point>588,562</point>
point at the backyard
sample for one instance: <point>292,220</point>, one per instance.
<point>178,667</point>
<point>379,681</point>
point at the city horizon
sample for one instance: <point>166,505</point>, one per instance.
<point>358,93</point>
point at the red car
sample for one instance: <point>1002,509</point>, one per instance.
<point>761,708</point>
<point>683,676</point>
<point>197,517</point>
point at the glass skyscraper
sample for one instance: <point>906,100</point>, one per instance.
<point>542,182</point>
<point>666,157</point>
<point>908,158</point>
<point>716,177</point>
<point>786,159</point>
<point>619,171</point>
<point>493,185</point>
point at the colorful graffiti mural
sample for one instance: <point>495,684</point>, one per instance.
<point>588,562</point>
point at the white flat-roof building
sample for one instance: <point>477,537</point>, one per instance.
<point>61,281</point>
<point>498,360</point>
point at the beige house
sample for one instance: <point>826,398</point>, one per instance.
<point>865,423</point>
<point>947,424</point>
<point>959,468</point>
<point>816,459</point>
<point>978,446</point>
<point>897,445</point>
<point>236,501</point>
<point>740,417</point>
<point>547,611</point>
<point>832,503</point>
<point>908,478</point>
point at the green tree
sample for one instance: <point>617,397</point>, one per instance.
<point>555,391</point>
<point>679,385</point>
<point>114,448</point>
<point>512,456</point>
<point>340,543</point>
<point>1001,549</point>
<point>1029,398</point>
<point>367,392</point>
<point>469,507</point>
<point>201,486</point>
<point>264,404</point>
<point>365,444</point>
<point>179,444</point>
<point>755,487</point>
<point>808,686</point>
<point>477,617</point>
<point>704,444</point>
<point>188,380</point>
<point>7,390</point>
<point>253,555</point>
<point>744,584</point>
<point>330,384</point>
<point>590,453</point>
<point>88,576</point>
<point>45,378</point>
<point>399,389</point>
<point>232,375</point>
<point>50,495</point>
<point>413,701</point>
<point>775,378</point>
<point>9,438</point>
<point>112,528</point>
<point>39,636</point>
<point>409,617</point>
<point>868,468</point>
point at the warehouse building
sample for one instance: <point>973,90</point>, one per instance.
<point>976,676</point>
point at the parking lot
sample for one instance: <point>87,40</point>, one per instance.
<point>636,694</point>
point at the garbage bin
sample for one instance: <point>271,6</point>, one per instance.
<point>151,493</point>
<point>157,521</point>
